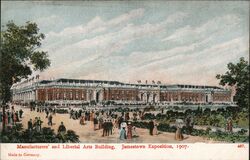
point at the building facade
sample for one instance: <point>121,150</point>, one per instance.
<point>75,91</point>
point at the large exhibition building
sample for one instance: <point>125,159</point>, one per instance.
<point>76,91</point>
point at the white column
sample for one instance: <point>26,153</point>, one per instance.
<point>87,96</point>
<point>144,97</point>
<point>101,95</point>
<point>94,95</point>
<point>150,98</point>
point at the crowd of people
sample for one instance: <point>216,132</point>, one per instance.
<point>35,125</point>
<point>108,121</point>
<point>11,116</point>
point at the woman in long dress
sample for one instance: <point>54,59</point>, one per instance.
<point>9,117</point>
<point>92,116</point>
<point>6,119</point>
<point>14,118</point>
<point>129,133</point>
<point>82,120</point>
<point>155,130</point>
<point>134,133</point>
<point>178,134</point>
<point>122,134</point>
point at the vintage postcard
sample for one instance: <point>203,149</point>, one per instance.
<point>104,79</point>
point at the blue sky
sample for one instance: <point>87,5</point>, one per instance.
<point>174,42</point>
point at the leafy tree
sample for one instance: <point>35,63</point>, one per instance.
<point>238,76</point>
<point>16,134</point>
<point>207,111</point>
<point>72,137</point>
<point>20,55</point>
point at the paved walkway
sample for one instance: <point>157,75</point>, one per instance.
<point>88,135</point>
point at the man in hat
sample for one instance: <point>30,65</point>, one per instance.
<point>104,130</point>
<point>110,127</point>
<point>30,125</point>
<point>21,113</point>
<point>95,123</point>
<point>39,123</point>
<point>50,120</point>
<point>62,129</point>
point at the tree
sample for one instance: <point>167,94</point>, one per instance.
<point>238,76</point>
<point>20,55</point>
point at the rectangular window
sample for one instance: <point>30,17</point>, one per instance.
<point>70,95</point>
<point>76,95</point>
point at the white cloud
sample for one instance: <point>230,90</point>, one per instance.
<point>95,57</point>
<point>195,68</point>
<point>217,25</point>
<point>97,25</point>
<point>109,43</point>
<point>69,37</point>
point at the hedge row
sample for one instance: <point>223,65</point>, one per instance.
<point>218,135</point>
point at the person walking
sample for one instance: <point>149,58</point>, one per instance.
<point>82,120</point>
<point>104,126</point>
<point>71,114</point>
<point>129,132</point>
<point>155,130</point>
<point>110,127</point>
<point>47,113</point>
<point>17,116</point>
<point>107,127</point>
<point>30,125</point>
<point>35,124</point>
<point>50,120</point>
<point>95,123</point>
<point>76,115</point>
<point>120,120</point>
<point>14,120</point>
<point>9,117</point>
<point>92,115</point>
<point>230,125</point>
<point>39,123</point>
<point>134,133</point>
<point>100,123</point>
<point>21,113</point>
<point>178,134</point>
<point>62,129</point>
<point>122,135</point>
<point>151,127</point>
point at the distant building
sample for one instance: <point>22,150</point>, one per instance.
<point>76,91</point>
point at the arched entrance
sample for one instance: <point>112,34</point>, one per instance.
<point>97,97</point>
<point>148,95</point>
<point>206,98</point>
<point>154,97</point>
